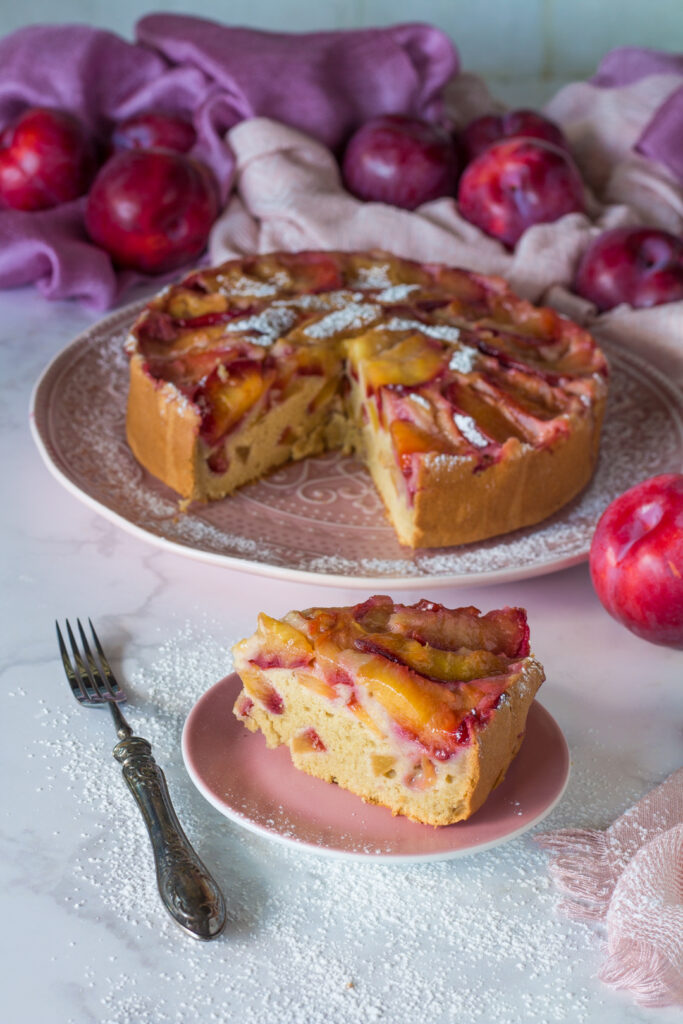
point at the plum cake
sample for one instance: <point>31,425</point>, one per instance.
<point>419,708</point>
<point>476,412</point>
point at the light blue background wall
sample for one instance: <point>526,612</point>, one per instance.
<point>511,42</point>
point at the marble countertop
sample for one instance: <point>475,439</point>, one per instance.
<point>309,939</point>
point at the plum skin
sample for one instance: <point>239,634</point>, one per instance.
<point>152,210</point>
<point>641,266</point>
<point>636,560</point>
<point>517,183</point>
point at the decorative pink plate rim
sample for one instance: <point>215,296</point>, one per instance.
<point>260,790</point>
<point>640,435</point>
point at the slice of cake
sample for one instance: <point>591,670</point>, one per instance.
<point>476,413</point>
<point>420,708</point>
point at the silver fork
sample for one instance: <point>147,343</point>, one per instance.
<point>188,891</point>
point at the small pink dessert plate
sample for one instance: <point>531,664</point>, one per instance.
<point>261,790</point>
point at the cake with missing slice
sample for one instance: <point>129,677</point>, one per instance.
<point>475,412</point>
<point>419,708</point>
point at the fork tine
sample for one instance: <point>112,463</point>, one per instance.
<point>110,680</point>
<point>93,670</point>
<point>84,679</point>
<point>77,688</point>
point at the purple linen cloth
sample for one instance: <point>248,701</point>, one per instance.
<point>662,139</point>
<point>328,83</point>
<point>324,83</point>
<point>629,64</point>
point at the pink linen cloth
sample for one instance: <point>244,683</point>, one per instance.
<point>327,83</point>
<point>631,878</point>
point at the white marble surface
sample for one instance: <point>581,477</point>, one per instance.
<point>308,940</point>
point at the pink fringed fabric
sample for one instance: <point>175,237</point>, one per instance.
<point>631,877</point>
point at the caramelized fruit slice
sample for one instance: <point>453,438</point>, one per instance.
<point>411,361</point>
<point>504,631</point>
<point>374,613</point>
<point>421,707</point>
<point>283,646</point>
<point>488,416</point>
<point>409,439</point>
<point>259,689</point>
<point>187,302</point>
<point>313,272</point>
<point>317,685</point>
<point>228,395</point>
<point>364,716</point>
<point>432,662</point>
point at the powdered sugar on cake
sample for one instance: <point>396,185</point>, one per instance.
<point>353,316</point>
<point>463,359</point>
<point>252,287</point>
<point>469,430</point>
<point>369,278</point>
<point>443,332</point>
<point>396,293</point>
<point>269,325</point>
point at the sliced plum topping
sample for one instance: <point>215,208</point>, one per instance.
<point>504,631</point>
<point>488,416</point>
<point>420,707</point>
<point>411,361</point>
<point>228,395</point>
<point>155,325</point>
<point>243,706</point>
<point>433,662</point>
<point>259,689</point>
<point>374,613</point>
<point>410,440</point>
<point>283,646</point>
<point>212,318</point>
<point>313,272</point>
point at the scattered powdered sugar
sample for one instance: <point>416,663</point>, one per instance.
<point>270,325</point>
<point>396,293</point>
<point>369,278</point>
<point>308,940</point>
<point>352,316</point>
<point>320,300</point>
<point>444,332</point>
<point>469,430</point>
<point>463,359</point>
<point>250,286</point>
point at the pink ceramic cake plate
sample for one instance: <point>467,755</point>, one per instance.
<point>321,520</point>
<point>261,790</point>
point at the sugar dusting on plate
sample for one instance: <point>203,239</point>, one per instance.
<point>309,940</point>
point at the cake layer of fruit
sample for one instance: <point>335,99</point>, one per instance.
<point>451,362</point>
<point>417,707</point>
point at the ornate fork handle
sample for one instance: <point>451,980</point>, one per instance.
<point>187,889</point>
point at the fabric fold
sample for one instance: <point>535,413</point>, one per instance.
<point>289,195</point>
<point>323,83</point>
<point>629,877</point>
